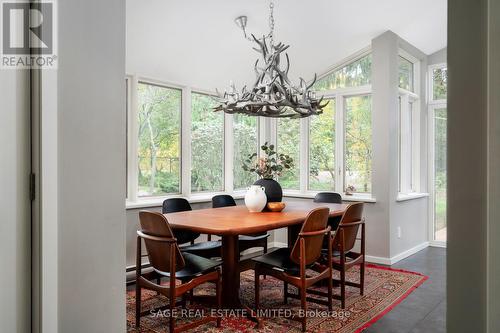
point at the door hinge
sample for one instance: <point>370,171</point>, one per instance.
<point>32,186</point>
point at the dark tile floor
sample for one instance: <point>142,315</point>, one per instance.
<point>424,310</point>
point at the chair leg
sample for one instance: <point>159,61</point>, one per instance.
<point>303,305</point>
<point>137,305</point>
<point>171,322</point>
<point>342,287</point>
<point>257,288</point>
<point>362,279</point>
<point>264,245</point>
<point>285,292</point>
<point>218,293</point>
<point>330,293</point>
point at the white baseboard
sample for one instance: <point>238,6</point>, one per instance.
<point>378,260</point>
<point>398,257</point>
<point>409,252</point>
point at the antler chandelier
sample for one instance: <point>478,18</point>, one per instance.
<point>273,94</point>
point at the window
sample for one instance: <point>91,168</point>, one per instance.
<point>207,145</point>
<point>159,139</point>
<point>288,143</point>
<point>407,147</point>
<point>440,179</point>
<point>358,144</point>
<point>246,142</point>
<point>355,74</point>
<point>439,80</point>
<point>438,117</point>
<point>335,146</point>
<point>409,125</point>
<point>322,150</point>
<point>406,73</point>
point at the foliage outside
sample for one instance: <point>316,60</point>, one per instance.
<point>246,142</point>
<point>288,143</point>
<point>322,149</point>
<point>355,74</point>
<point>207,145</point>
<point>358,144</point>
<point>159,140</point>
<point>405,74</point>
<point>440,142</point>
<point>440,79</point>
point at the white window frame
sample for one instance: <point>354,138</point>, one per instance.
<point>432,106</point>
<point>409,122</point>
<point>339,95</point>
<point>133,201</point>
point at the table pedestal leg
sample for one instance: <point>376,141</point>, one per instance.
<point>230,272</point>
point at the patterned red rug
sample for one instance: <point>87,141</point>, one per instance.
<point>384,289</point>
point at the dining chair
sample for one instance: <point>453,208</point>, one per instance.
<point>209,249</point>
<point>245,242</point>
<point>330,197</point>
<point>344,256</point>
<point>168,261</point>
<point>290,265</point>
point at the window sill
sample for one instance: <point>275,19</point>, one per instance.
<point>311,195</point>
<point>410,196</point>
<point>158,201</point>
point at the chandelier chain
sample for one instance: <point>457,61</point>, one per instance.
<point>271,21</point>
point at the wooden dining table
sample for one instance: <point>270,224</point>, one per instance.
<point>230,222</point>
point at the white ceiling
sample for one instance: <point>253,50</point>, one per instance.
<point>197,43</point>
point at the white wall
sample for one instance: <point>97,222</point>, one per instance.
<point>15,168</point>
<point>437,57</point>
<point>91,155</point>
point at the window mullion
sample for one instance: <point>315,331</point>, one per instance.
<point>339,143</point>
<point>133,158</point>
<point>304,155</point>
<point>186,142</point>
<point>228,152</point>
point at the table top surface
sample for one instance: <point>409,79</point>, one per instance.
<point>237,220</point>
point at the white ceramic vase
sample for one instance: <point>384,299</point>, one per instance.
<point>255,198</point>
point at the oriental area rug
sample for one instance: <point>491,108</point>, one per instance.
<point>384,288</point>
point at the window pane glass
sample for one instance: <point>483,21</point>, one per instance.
<point>207,145</point>
<point>322,149</point>
<point>439,78</point>
<point>355,74</point>
<point>440,138</point>
<point>246,142</point>
<point>358,144</point>
<point>159,140</point>
<point>289,144</point>
<point>405,74</point>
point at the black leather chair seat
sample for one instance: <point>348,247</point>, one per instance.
<point>203,246</point>
<point>195,265</point>
<point>248,238</point>
<point>279,258</point>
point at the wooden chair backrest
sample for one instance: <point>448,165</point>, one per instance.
<point>353,214</point>
<point>159,252</point>
<point>316,220</point>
